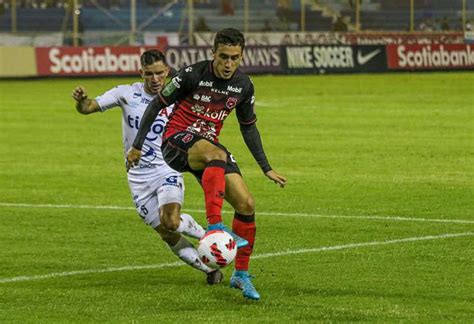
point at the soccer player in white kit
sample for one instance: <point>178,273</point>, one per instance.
<point>157,190</point>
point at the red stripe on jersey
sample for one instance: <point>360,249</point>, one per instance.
<point>185,116</point>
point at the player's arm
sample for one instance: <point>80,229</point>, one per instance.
<point>251,135</point>
<point>84,105</point>
<point>135,153</point>
<point>253,140</point>
<point>171,92</point>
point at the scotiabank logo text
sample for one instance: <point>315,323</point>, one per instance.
<point>93,61</point>
<point>427,56</point>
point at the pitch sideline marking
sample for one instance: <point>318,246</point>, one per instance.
<point>391,218</point>
<point>259,256</point>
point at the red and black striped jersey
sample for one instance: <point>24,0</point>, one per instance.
<point>203,101</point>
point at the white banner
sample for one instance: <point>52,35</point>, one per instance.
<point>160,39</point>
<point>43,40</point>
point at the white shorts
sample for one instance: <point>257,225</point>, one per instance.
<point>152,189</point>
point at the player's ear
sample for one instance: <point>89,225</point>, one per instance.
<point>142,73</point>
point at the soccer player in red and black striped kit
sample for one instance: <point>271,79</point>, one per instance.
<point>204,94</point>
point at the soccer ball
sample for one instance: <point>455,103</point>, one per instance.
<point>217,249</point>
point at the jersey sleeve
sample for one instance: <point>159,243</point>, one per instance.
<point>245,110</point>
<point>110,99</point>
<point>177,87</point>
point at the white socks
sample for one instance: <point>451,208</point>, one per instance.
<point>186,252</point>
<point>190,227</point>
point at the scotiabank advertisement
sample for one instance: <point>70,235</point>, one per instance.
<point>75,61</point>
<point>96,61</point>
<point>430,57</point>
<point>297,59</point>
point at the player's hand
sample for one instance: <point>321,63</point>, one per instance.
<point>133,156</point>
<point>275,177</point>
<point>79,94</point>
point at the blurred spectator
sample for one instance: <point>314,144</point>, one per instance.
<point>340,25</point>
<point>283,12</point>
<point>426,25</point>
<point>468,26</point>
<point>201,25</point>
<point>444,24</point>
<point>267,26</point>
<point>227,8</point>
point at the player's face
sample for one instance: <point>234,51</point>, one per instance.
<point>154,76</point>
<point>227,59</point>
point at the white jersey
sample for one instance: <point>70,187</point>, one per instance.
<point>133,99</point>
<point>152,183</point>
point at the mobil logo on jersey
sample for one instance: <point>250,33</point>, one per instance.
<point>234,89</point>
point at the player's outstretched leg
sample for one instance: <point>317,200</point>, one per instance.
<point>239,241</point>
<point>245,227</point>
<point>188,226</point>
<point>186,252</point>
<point>213,184</point>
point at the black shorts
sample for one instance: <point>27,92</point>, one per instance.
<point>175,153</point>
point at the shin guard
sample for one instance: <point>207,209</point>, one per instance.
<point>244,226</point>
<point>213,184</point>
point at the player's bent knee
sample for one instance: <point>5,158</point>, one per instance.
<point>170,218</point>
<point>214,155</point>
<point>246,206</point>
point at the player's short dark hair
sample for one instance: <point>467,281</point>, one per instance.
<point>151,56</point>
<point>229,36</point>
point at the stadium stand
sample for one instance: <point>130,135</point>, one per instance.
<point>395,15</point>
<point>114,15</point>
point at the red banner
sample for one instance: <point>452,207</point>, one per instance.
<point>88,60</point>
<point>430,57</point>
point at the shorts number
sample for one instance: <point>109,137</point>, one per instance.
<point>144,210</point>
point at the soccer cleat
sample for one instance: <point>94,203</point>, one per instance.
<point>243,280</point>
<point>214,277</point>
<point>239,241</point>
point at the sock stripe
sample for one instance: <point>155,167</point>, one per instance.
<point>245,218</point>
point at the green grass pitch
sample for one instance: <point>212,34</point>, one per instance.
<point>376,223</point>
